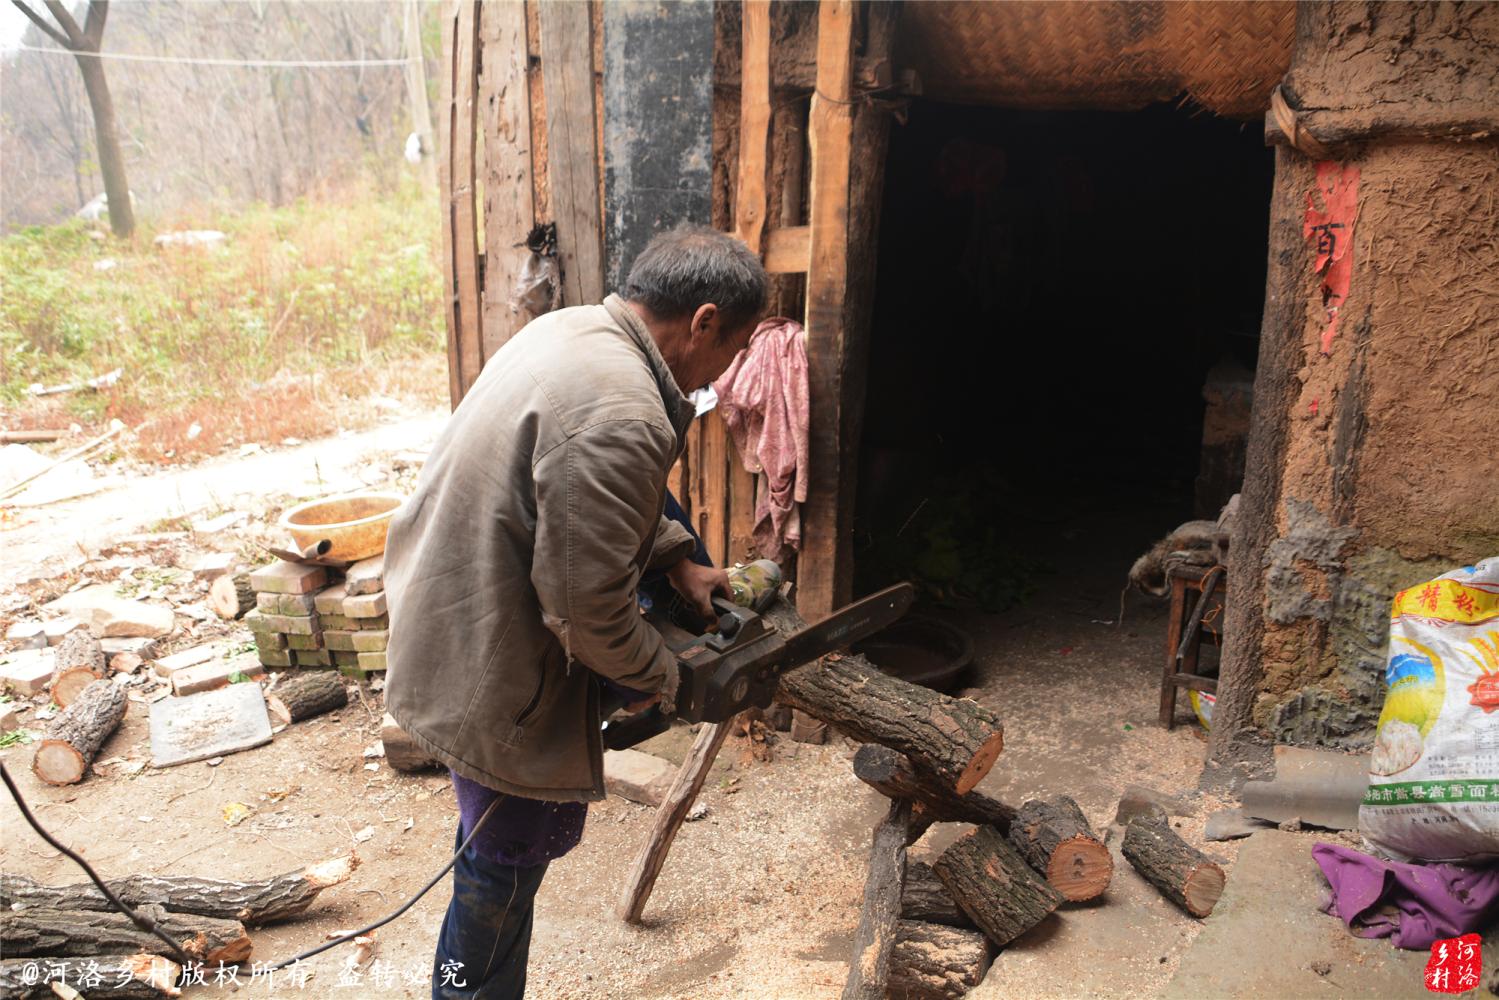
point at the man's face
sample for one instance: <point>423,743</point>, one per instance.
<point>711,348</point>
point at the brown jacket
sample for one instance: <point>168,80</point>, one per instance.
<point>517,558</point>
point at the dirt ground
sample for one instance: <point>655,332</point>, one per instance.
<point>759,899</point>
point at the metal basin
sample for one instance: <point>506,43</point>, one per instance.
<point>355,524</point>
<point>922,650</point>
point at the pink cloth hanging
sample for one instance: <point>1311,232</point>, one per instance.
<point>763,398</point>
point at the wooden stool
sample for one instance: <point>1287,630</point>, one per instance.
<point>1189,618</point>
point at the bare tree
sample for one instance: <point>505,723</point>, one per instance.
<point>84,43</point>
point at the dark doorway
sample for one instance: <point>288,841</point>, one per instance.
<point>1055,292</point>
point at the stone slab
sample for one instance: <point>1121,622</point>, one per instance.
<point>26,671</point>
<point>215,674</point>
<point>213,565</point>
<point>166,666</point>
<point>365,577</point>
<point>1231,824</point>
<point>1138,800</point>
<point>288,578</point>
<point>1319,787</point>
<point>141,646</point>
<point>57,629</point>
<point>106,613</point>
<point>1267,938</point>
<point>208,724</point>
<point>10,719</point>
<point>639,777</point>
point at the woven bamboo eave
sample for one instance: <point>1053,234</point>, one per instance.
<point>1224,56</point>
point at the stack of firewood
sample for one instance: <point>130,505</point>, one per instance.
<point>71,933</point>
<point>930,931</point>
<point>316,616</point>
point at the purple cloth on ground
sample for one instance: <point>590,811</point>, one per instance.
<point>1413,905</point>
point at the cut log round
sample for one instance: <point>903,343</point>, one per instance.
<point>305,695</point>
<point>121,977</point>
<point>400,752</point>
<point>78,662</point>
<point>994,885</point>
<point>936,962</point>
<point>1055,839</point>
<point>926,899</point>
<point>231,596</point>
<point>869,968</point>
<point>1185,875</point>
<point>951,740</point>
<point>64,754</point>
<point>264,901</point>
<point>43,932</point>
<point>892,774</point>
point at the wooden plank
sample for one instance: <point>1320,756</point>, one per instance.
<point>821,582</point>
<point>509,206</point>
<point>572,159</point>
<point>788,250</point>
<point>459,233</point>
<point>754,122</point>
<point>713,473</point>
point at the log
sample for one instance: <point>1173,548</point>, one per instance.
<point>45,932</point>
<point>1055,839</point>
<point>952,741</point>
<point>1185,875</point>
<point>994,885</point>
<point>307,694</point>
<point>892,774</point>
<point>78,662</point>
<point>869,968</point>
<point>926,899</point>
<point>674,809</point>
<point>400,752</point>
<point>121,977</point>
<point>936,962</point>
<point>231,596</point>
<point>263,901</point>
<point>64,754</point>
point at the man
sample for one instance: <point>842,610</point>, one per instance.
<point>512,574</point>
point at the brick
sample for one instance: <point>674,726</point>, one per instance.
<point>354,672</point>
<point>258,622</point>
<point>371,624</point>
<point>291,624</point>
<point>313,658</point>
<point>366,577</point>
<point>276,657</point>
<point>329,601</point>
<point>339,639</point>
<point>57,628</point>
<point>141,646</point>
<point>341,623</point>
<point>304,642</point>
<point>637,776</point>
<point>10,719</point>
<point>167,666</point>
<point>26,671</point>
<point>31,635</point>
<point>288,578</point>
<point>214,674</point>
<point>345,658</point>
<point>365,605</point>
<point>372,661</point>
<point>274,641</point>
<point>268,603</point>
<point>296,605</point>
<point>213,565</point>
<point>372,640</point>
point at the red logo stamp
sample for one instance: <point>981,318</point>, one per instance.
<point>1455,965</point>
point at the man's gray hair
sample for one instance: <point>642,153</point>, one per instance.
<point>691,266</point>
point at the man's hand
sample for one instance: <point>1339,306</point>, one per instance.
<point>640,706</point>
<point>698,584</point>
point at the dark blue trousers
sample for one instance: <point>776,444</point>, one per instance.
<point>486,933</point>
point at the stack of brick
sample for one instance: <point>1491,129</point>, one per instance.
<point>314,616</point>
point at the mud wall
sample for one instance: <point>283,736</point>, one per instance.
<point>1372,464</point>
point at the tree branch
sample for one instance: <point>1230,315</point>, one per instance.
<point>93,25</point>
<point>47,29</point>
<point>60,13</point>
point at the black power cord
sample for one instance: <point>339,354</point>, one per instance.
<point>148,925</point>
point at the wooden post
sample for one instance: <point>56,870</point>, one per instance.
<point>460,251</point>
<point>821,584</point>
<point>509,206</point>
<point>572,155</point>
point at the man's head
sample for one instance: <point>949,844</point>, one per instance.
<point>699,293</point>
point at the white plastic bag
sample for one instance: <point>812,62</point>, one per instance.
<point>1434,776</point>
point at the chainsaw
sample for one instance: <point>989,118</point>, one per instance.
<point>738,662</point>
